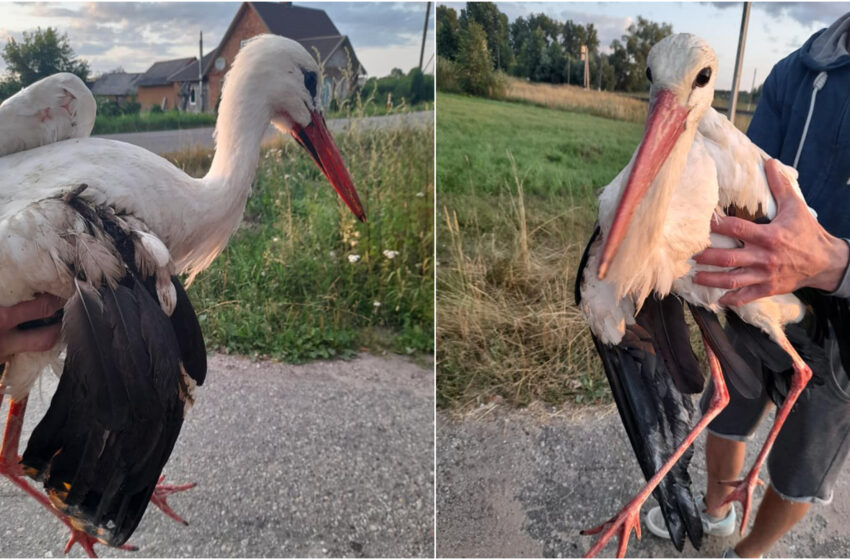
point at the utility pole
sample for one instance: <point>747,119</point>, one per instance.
<point>752,88</point>
<point>599,72</point>
<point>739,60</point>
<point>201,73</point>
<point>424,34</point>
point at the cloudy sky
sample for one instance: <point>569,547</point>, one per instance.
<point>134,35</point>
<point>775,29</point>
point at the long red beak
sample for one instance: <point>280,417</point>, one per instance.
<point>663,127</point>
<point>316,139</point>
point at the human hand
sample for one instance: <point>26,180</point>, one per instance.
<point>791,252</point>
<point>14,340</point>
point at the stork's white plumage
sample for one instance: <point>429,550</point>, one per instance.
<point>54,108</point>
<point>106,225</point>
<point>692,164</point>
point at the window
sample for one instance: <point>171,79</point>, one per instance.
<point>192,95</point>
<point>164,104</point>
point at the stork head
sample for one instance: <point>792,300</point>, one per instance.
<point>681,70</point>
<point>286,79</point>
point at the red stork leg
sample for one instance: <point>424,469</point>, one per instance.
<point>744,488</point>
<point>628,519</point>
<point>10,467</point>
<point>160,497</point>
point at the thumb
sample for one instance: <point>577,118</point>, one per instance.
<point>780,185</point>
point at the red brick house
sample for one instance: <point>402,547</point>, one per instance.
<point>310,27</point>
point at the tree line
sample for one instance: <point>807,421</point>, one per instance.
<point>481,40</point>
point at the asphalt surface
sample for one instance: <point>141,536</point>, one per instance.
<point>167,141</point>
<point>524,483</point>
<point>328,459</point>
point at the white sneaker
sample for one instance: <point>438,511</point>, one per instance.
<point>718,527</point>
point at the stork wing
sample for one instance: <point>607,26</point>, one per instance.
<point>740,168</point>
<point>53,109</point>
<point>656,413</point>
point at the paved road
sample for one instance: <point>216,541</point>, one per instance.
<point>166,141</point>
<point>523,483</point>
<point>327,459</point>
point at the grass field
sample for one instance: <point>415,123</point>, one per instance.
<point>302,279</point>
<point>175,120</point>
<point>516,204</point>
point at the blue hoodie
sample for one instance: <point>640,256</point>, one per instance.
<point>780,117</point>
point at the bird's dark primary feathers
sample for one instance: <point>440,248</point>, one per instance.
<point>119,407</point>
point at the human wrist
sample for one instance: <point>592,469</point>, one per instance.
<point>835,279</point>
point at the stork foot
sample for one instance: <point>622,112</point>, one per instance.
<point>87,543</point>
<point>160,497</point>
<point>743,492</point>
<point>621,525</point>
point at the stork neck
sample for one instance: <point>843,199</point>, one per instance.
<point>238,135</point>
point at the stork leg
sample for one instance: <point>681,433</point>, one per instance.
<point>744,488</point>
<point>628,518</point>
<point>10,467</point>
<point>160,497</point>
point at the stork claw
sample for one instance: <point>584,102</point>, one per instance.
<point>624,523</point>
<point>743,492</point>
<point>87,543</point>
<point>160,497</point>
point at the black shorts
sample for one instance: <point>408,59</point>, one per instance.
<point>812,445</point>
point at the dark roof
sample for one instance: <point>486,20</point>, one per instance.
<point>295,22</point>
<point>159,74</point>
<point>115,83</point>
<point>327,46</point>
<point>189,73</point>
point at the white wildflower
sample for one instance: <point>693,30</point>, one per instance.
<point>353,258</point>
<point>420,195</point>
<point>390,254</point>
<point>376,304</point>
<point>332,254</point>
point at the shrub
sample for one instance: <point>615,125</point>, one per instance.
<point>447,75</point>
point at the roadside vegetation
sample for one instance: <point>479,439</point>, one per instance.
<point>302,279</point>
<point>517,202</point>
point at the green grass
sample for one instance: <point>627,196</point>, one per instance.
<point>145,121</point>
<point>175,120</point>
<point>516,204</point>
<point>284,286</point>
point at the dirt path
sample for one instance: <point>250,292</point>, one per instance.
<point>327,459</point>
<point>524,483</point>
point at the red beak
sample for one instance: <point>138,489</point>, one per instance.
<point>316,139</point>
<point>663,127</point>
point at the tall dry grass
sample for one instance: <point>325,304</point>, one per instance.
<point>507,324</point>
<point>577,99</point>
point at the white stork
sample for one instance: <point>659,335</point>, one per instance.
<point>52,109</point>
<point>106,225</point>
<point>691,165</point>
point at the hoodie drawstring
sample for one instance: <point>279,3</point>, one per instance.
<point>820,81</point>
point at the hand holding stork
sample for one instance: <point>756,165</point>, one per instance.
<point>791,252</point>
<point>14,340</point>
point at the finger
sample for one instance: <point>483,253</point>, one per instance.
<point>41,307</point>
<point>746,295</point>
<point>732,258</point>
<point>35,340</point>
<point>731,279</point>
<point>780,185</point>
<point>745,231</point>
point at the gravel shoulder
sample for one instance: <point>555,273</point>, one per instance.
<point>523,483</point>
<point>327,459</point>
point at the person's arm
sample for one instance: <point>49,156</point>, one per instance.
<point>791,252</point>
<point>14,341</point>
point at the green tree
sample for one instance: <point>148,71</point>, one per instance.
<point>448,32</point>
<point>474,63</point>
<point>630,52</point>
<point>495,26</point>
<point>40,54</point>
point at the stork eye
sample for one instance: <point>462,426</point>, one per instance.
<point>649,74</point>
<point>703,77</point>
<point>310,81</point>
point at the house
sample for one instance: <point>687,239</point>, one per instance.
<point>115,86</point>
<point>310,27</point>
<point>156,86</point>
